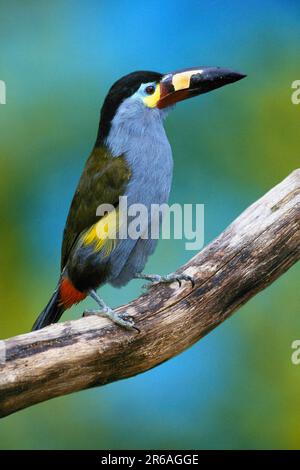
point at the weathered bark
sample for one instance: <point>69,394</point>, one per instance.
<point>252,252</point>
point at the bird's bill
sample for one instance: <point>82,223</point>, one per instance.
<point>183,84</point>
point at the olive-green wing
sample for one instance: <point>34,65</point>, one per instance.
<point>103,180</point>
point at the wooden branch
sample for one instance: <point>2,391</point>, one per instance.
<point>251,253</point>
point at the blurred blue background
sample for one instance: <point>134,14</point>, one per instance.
<point>237,387</point>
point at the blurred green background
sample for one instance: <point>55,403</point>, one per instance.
<point>237,387</point>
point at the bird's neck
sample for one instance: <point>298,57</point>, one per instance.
<point>141,138</point>
<point>135,132</point>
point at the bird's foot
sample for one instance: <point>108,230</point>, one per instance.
<point>121,319</point>
<point>156,279</point>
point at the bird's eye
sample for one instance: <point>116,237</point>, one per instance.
<point>150,89</point>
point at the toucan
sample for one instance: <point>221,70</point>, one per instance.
<point>131,158</point>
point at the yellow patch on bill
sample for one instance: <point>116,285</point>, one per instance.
<point>181,80</point>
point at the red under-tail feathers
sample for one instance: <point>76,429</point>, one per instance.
<point>63,298</point>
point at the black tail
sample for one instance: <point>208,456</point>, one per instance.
<point>51,313</point>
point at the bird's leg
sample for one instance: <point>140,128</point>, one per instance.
<point>121,319</point>
<point>167,279</point>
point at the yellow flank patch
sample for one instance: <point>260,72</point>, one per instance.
<point>181,81</point>
<point>151,100</point>
<point>103,234</point>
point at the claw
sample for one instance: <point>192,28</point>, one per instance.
<point>136,329</point>
<point>127,321</point>
<point>89,313</point>
<point>123,319</point>
<point>186,277</point>
<point>156,279</point>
